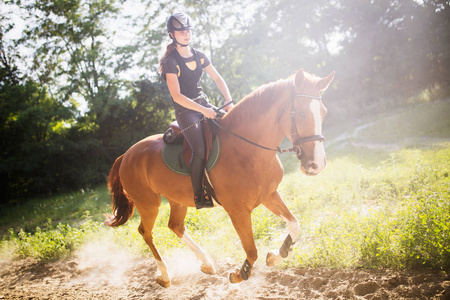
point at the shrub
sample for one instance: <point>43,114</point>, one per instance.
<point>51,242</point>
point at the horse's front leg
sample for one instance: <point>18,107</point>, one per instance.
<point>276,205</point>
<point>243,224</point>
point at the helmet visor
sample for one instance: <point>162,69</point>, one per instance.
<point>178,22</point>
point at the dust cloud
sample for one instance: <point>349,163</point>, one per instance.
<point>102,261</point>
<point>103,270</point>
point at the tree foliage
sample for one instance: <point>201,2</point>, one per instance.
<point>383,51</point>
<point>75,94</point>
<point>48,144</point>
<point>32,122</point>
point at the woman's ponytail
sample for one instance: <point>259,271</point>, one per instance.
<point>169,50</point>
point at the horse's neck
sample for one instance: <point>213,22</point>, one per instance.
<point>262,127</point>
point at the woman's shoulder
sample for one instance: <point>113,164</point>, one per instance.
<point>200,53</point>
<point>203,58</point>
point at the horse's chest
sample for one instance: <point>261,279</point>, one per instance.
<point>249,173</point>
<point>265,172</point>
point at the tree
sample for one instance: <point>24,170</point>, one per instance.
<point>391,51</point>
<point>283,37</point>
<point>72,43</point>
<point>30,121</point>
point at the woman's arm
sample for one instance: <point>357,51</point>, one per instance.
<point>174,89</point>
<point>221,84</point>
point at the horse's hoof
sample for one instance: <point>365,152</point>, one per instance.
<point>162,282</point>
<point>273,258</point>
<point>208,269</point>
<point>235,277</point>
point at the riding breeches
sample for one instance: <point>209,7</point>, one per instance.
<point>190,123</point>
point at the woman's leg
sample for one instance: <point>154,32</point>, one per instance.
<point>194,136</point>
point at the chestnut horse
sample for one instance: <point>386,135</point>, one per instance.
<point>246,175</point>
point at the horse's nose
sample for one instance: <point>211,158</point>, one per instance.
<point>312,167</point>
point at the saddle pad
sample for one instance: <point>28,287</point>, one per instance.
<point>173,158</point>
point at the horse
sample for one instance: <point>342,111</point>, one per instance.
<point>247,174</point>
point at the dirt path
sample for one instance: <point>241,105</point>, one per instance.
<point>91,275</point>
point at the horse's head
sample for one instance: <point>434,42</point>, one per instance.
<point>307,114</point>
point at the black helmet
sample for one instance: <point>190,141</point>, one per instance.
<point>178,22</point>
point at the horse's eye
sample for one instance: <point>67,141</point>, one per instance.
<point>301,115</point>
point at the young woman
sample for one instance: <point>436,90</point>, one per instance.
<point>181,67</point>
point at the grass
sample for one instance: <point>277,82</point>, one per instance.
<point>67,208</point>
<point>394,215</point>
<point>371,207</point>
<point>412,127</point>
<point>372,140</point>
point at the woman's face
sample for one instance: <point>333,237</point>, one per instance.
<point>183,37</point>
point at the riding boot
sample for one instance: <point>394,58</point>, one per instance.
<point>197,170</point>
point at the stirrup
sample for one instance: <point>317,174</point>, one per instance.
<point>207,199</point>
<point>203,201</point>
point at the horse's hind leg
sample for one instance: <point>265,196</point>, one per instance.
<point>176,224</point>
<point>148,216</point>
<point>276,205</point>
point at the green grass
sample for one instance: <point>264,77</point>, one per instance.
<point>413,123</point>
<point>418,125</point>
<point>394,215</point>
<point>372,207</point>
<point>67,208</point>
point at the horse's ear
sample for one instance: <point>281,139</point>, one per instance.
<point>299,78</point>
<point>325,82</point>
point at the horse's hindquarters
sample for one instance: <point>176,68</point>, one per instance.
<point>143,172</point>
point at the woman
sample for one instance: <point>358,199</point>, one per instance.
<point>181,67</point>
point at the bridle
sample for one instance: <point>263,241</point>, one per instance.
<point>296,140</point>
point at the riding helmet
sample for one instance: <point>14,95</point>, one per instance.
<point>178,22</point>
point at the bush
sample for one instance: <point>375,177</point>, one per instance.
<point>417,235</point>
<point>51,242</point>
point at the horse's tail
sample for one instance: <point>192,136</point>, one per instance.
<point>122,205</point>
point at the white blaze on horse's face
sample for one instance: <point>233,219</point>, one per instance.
<point>312,112</point>
<point>319,162</point>
<point>313,157</point>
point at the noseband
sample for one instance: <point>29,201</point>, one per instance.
<point>296,140</point>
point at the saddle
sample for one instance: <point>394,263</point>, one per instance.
<point>174,136</point>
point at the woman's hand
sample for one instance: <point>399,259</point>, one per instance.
<point>209,113</point>
<point>229,106</point>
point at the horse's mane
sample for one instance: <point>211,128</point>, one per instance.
<point>257,102</point>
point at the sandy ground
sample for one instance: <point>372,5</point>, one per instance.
<point>93,273</point>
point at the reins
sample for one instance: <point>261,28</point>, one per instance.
<point>243,138</point>
<point>295,141</point>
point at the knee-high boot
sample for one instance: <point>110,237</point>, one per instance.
<point>197,168</point>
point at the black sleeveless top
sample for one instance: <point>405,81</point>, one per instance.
<point>189,70</point>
